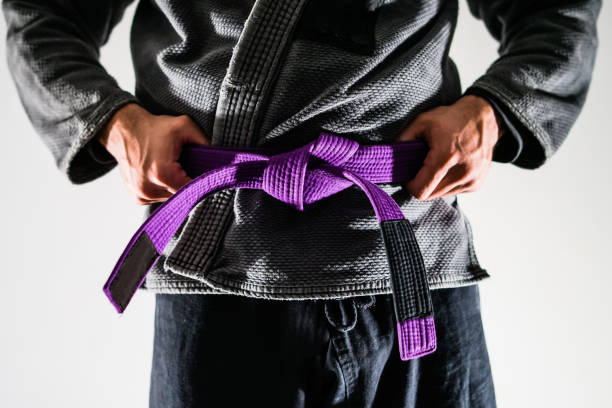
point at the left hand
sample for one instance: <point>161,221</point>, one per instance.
<point>461,138</point>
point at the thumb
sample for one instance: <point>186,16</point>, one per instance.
<point>173,177</point>
<point>415,130</point>
<point>191,132</point>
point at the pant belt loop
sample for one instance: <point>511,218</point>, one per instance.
<point>341,314</point>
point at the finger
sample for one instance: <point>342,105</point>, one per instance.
<point>142,201</point>
<point>456,176</point>
<point>153,192</point>
<point>144,192</point>
<point>472,182</point>
<point>145,199</point>
<point>461,189</point>
<point>434,168</point>
<point>416,130</point>
<point>191,132</point>
<point>146,187</point>
<point>172,177</point>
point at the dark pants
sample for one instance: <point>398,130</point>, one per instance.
<point>232,351</point>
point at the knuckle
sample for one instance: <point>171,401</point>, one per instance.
<point>452,158</point>
<point>147,191</point>
<point>164,176</point>
<point>420,117</point>
<point>155,171</point>
<point>447,160</point>
<point>455,154</point>
<point>183,120</point>
<point>419,194</point>
<point>140,200</point>
<point>470,183</point>
<point>472,186</point>
<point>152,173</point>
<point>468,168</point>
<point>436,126</point>
<point>140,186</point>
<point>427,115</point>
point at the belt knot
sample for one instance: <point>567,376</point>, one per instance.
<point>322,167</point>
<point>286,174</point>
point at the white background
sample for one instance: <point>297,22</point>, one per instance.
<point>544,236</point>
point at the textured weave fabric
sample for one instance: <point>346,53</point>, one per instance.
<point>276,74</point>
<point>298,178</point>
<point>315,353</point>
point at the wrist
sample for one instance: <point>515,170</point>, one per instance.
<point>119,128</point>
<point>119,124</point>
<point>486,115</point>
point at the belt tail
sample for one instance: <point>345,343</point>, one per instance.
<point>130,271</point>
<point>411,296</point>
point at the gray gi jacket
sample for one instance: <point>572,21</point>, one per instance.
<point>276,73</point>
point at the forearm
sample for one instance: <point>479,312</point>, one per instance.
<point>52,54</point>
<point>461,139</point>
<point>541,78</point>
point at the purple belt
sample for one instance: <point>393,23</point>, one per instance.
<point>301,176</point>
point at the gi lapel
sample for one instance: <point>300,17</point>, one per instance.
<point>252,70</point>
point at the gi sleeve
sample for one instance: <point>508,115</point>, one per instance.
<point>52,50</point>
<point>539,83</point>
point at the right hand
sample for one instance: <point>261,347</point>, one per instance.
<point>147,148</point>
